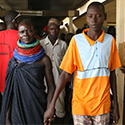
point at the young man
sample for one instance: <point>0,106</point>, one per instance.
<point>55,49</point>
<point>93,56</point>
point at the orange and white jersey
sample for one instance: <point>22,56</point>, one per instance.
<point>92,62</point>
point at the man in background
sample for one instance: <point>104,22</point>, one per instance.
<point>55,49</point>
<point>8,42</point>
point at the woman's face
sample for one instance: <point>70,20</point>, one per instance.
<point>26,33</point>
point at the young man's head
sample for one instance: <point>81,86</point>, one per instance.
<point>53,27</point>
<point>12,19</point>
<point>95,16</point>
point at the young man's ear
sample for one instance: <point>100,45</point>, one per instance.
<point>15,25</point>
<point>105,16</point>
<point>86,16</point>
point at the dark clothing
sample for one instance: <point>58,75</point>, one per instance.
<point>26,91</point>
<point>0,101</point>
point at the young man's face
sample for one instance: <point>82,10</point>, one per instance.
<point>53,30</point>
<point>95,17</point>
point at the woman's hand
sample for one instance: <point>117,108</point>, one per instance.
<point>115,115</point>
<point>49,115</point>
<point>122,69</point>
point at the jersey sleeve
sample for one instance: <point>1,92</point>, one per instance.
<point>71,60</point>
<point>115,60</point>
<point>67,63</point>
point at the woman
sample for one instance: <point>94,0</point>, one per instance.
<point>25,100</point>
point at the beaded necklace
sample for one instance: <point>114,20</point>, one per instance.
<point>29,53</point>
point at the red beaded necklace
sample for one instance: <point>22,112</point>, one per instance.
<point>30,50</point>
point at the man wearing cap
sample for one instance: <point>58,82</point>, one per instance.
<point>8,42</point>
<point>55,49</point>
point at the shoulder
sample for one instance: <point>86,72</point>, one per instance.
<point>2,33</point>
<point>109,36</point>
<point>78,36</point>
<point>43,40</point>
<point>62,43</point>
<point>12,31</point>
<point>45,60</point>
<point>9,35</point>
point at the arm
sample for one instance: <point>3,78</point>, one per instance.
<point>122,69</point>
<point>64,77</point>
<point>49,78</point>
<point>114,91</point>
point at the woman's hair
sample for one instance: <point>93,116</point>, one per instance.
<point>27,21</point>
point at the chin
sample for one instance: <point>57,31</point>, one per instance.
<point>27,41</point>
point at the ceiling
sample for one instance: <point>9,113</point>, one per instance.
<point>48,8</point>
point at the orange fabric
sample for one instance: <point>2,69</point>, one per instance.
<point>91,96</point>
<point>91,42</point>
<point>73,59</point>
<point>87,96</point>
<point>114,59</point>
<point>8,42</point>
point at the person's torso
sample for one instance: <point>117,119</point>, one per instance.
<point>8,42</point>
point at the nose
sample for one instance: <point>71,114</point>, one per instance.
<point>54,31</point>
<point>26,32</point>
<point>94,19</point>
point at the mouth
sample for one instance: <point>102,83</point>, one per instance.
<point>54,35</point>
<point>26,38</point>
<point>94,26</point>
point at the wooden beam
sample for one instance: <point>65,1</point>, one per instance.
<point>120,39</point>
<point>58,13</point>
<point>77,3</point>
<point>14,4</point>
<point>46,13</point>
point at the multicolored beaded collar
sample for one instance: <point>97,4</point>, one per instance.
<point>28,53</point>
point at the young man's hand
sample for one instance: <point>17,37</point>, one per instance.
<point>122,69</point>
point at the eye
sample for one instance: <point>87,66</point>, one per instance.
<point>98,15</point>
<point>21,32</point>
<point>57,29</point>
<point>51,28</point>
<point>90,16</point>
<point>29,31</point>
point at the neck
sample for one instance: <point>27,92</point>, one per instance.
<point>10,27</point>
<point>94,35</point>
<point>52,39</point>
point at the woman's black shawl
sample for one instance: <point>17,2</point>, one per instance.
<point>25,88</point>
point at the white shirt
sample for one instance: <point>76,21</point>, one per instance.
<point>56,53</point>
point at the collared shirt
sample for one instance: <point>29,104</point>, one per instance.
<point>56,53</point>
<point>92,62</point>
